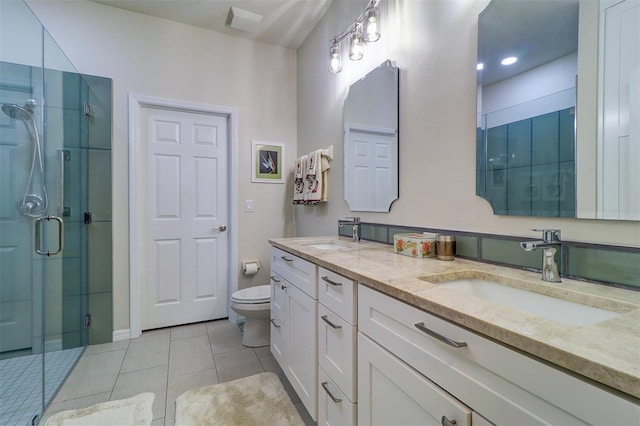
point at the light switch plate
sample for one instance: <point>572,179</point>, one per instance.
<point>248,205</point>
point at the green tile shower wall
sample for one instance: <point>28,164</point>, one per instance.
<point>87,262</point>
<point>95,136</point>
<point>605,264</point>
<point>528,169</point>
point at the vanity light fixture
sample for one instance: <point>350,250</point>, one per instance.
<point>509,60</point>
<point>365,29</point>
<point>372,25</point>
<point>356,46</point>
<point>335,59</point>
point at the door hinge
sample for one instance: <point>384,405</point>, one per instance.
<point>88,109</point>
<point>88,321</point>
<point>88,218</point>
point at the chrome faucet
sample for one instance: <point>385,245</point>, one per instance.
<point>355,223</point>
<point>550,244</point>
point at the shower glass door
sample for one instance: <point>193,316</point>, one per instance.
<point>42,301</point>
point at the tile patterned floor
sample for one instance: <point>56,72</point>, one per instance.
<point>21,377</point>
<point>167,362</point>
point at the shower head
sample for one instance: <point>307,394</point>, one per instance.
<point>17,112</point>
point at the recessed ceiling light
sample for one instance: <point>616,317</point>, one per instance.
<point>509,60</point>
<point>480,66</point>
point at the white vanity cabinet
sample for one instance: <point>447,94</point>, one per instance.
<point>403,351</point>
<point>294,309</point>
<point>393,393</point>
<point>337,333</point>
<point>278,338</point>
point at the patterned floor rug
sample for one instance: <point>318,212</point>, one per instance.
<point>254,400</point>
<point>135,411</point>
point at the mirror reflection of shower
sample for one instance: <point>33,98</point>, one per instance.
<point>31,203</point>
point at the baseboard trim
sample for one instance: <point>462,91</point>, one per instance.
<point>124,334</point>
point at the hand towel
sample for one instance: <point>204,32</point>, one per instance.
<point>299,180</point>
<point>313,184</point>
<point>327,156</point>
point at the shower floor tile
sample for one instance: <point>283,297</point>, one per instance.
<point>21,391</point>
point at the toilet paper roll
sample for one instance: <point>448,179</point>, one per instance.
<point>250,268</point>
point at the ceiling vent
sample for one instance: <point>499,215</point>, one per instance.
<point>243,20</point>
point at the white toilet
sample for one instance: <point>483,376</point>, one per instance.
<point>254,303</point>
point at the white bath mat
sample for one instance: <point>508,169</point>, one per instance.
<point>254,400</point>
<point>135,411</point>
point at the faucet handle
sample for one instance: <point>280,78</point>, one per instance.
<point>549,235</point>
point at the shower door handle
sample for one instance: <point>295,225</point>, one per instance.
<point>60,235</point>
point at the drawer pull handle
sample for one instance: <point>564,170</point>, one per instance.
<point>420,326</point>
<point>275,280</point>
<point>446,422</point>
<point>274,323</point>
<point>334,283</point>
<point>332,325</point>
<point>326,389</point>
<point>283,286</point>
<point>286,259</point>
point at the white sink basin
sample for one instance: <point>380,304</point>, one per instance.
<point>328,246</point>
<point>549,307</point>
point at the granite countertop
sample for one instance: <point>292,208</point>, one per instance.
<point>607,352</point>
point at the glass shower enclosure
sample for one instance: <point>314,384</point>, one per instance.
<point>44,193</point>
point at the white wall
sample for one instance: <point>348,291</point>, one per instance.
<point>156,57</point>
<point>434,45</point>
<point>545,80</point>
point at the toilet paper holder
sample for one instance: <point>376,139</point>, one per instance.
<point>250,267</point>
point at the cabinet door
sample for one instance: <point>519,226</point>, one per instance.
<point>336,350</point>
<point>278,285</point>
<point>392,393</point>
<point>301,366</point>
<point>334,408</point>
<point>278,340</point>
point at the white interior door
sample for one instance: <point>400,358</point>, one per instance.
<point>16,231</point>
<point>185,209</point>
<point>371,157</point>
<point>620,73</point>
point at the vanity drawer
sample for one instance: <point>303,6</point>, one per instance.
<point>336,350</point>
<point>338,293</point>
<point>393,393</point>
<point>334,408</point>
<point>499,383</point>
<point>297,271</point>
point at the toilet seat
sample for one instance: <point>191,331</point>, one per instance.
<point>253,295</point>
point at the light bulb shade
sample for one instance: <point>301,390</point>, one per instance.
<point>335,60</point>
<point>356,46</point>
<point>372,25</point>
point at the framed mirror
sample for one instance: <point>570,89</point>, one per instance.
<point>537,154</point>
<point>371,141</point>
<point>525,132</point>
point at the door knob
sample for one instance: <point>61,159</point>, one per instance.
<point>221,228</point>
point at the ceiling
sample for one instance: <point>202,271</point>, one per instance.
<point>536,32</point>
<point>284,23</point>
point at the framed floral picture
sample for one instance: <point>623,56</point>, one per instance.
<point>267,160</point>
